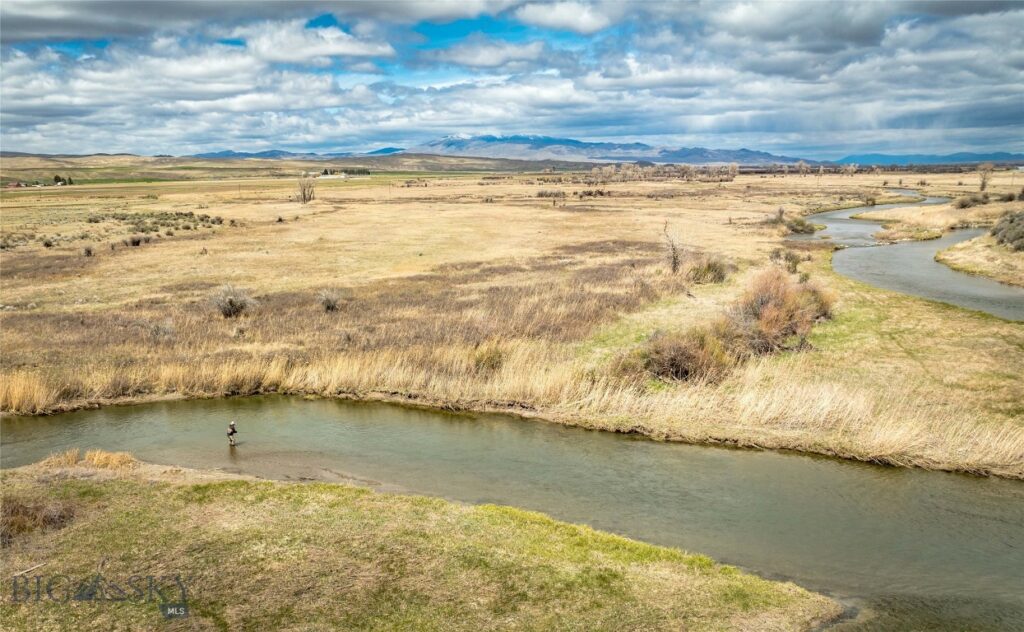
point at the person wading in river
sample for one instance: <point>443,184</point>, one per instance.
<point>232,431</point>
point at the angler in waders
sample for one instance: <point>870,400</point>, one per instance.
<point>232,431</point>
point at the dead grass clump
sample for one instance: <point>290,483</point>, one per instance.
<point>110,460</point>
<point>20,515</point>
<point>232,301</point>
<point>67,458</point>
<point>705,268</point>
<point>1009,231</point>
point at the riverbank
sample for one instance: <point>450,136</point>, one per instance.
<point>438,307</point>
<point>357,559</point>
<point>933,220</point>
<point>984,257</point>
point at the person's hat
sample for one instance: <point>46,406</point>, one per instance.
<point>231,424</point>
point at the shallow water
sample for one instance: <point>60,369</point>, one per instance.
<point>922,550</point>
<point>910,267</point>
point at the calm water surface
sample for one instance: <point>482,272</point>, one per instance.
<point>917,550</point>
<point>910,267</point>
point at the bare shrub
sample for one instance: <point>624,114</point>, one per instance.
<point>786,258</point>
<point>673,253</point>
<point>968,201</point>
<point>698,354</point>
<point>1009,231</point>
<point>332,300</point>
<point>774,309</point>
<point>88,251</point>
<point>232,301</point>
<point>307,189</point>
<point>984,174</point>
<point>547,193</point>
<point>774,313</point>
<point>800,225</point>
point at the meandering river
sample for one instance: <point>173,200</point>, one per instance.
<point>907,549</point>
<point>910,267</point>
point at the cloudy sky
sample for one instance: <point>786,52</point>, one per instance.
<point>813,79</point>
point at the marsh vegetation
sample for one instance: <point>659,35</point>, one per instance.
<point>429,294</point>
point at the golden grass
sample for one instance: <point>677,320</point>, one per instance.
<point>511,305</point>
<point>982,255</point>
<point>110,460</point>
<point>67,458</point>
<point>26,393</point>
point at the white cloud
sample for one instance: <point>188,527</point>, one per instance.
<point>923,83</point>
<point>491,54</point>
<point>569,16</point>
<point>292,42</point>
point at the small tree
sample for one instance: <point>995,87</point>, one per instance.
<point>985,171</point>
<point>307,188</point>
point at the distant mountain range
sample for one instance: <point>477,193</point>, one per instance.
<point>277,154</point>
<point>929,159</point>
<point>540,148</point>
<point>548,148</point>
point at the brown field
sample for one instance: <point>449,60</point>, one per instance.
<point>471,292</point>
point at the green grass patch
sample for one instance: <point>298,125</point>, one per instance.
<point>265,555</point>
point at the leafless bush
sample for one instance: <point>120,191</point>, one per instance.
<point>968,201</point>
<point>332,300</point>
<point>307,188</point>
<point>984,173</point>
<point>774,313</point>
<point>673,253</point>
<point>232,301</point>
<point>786,258</point>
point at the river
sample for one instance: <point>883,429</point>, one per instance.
<point>907,549</point>
<point>910,267</point>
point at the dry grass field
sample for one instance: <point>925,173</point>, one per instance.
<point>469,291</point>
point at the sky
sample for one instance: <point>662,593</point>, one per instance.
<point>817,80</point>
